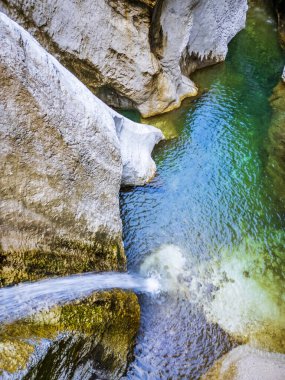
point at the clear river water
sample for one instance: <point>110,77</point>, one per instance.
<point>209,226</point>
<point>205,239</point>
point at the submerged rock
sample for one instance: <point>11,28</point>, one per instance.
<point>131,54</point>
<point>241,289</point>
<point>276,144</point>
<point>64,155</point>
<point>87,339</point>
<point>246,363</point>
<point>248,291</point>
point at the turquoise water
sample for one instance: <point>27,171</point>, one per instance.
<point>209,224</point>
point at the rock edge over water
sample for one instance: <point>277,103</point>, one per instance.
<point>64,156</point>
<point>131,53</point>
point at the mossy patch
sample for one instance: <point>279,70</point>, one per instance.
<point>97,332</point>
<point>61,257</point>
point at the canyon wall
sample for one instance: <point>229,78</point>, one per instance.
<point>133,54</point>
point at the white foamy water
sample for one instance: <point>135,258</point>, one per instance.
<point>168,264</point>
<point>28,298</point>
<point>239,290</point>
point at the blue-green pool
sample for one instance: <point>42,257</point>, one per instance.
<point>209,224</point>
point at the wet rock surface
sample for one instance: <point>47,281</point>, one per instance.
<point>131,54</point>
<point>91,338</point>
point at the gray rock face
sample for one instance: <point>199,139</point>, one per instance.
<point>246,363</point>
<point>133,54</point>
<point>196,33</point>
<point>64,154</point>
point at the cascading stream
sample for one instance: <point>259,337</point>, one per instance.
<point>206,236</point>
<point>22,300</point>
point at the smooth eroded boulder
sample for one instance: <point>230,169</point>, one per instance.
<point>64,155</point>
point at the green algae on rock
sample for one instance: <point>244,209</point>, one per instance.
<point>87,338</point>
<point>62,257</point>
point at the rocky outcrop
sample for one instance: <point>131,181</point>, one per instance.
<point>131,53</point>
<point>64,155</point>
<point>88,339</point>
<point>204,32</point>
<point>246,363</point>
<point>276,143</point>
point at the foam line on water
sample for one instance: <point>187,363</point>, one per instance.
<point>22,300</point>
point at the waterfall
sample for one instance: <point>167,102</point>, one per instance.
<point>30,297</point>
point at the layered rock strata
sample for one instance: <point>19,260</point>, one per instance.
<point>64,155</point>
<point>134,54</point>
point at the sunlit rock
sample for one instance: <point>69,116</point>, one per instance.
<point>207,26</point>
<point>64,156</point>
<point>136,144</point>
<point>131,53</point>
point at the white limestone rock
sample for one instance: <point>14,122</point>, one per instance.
<point>63,159</point>
<point>195,33</point>
<point>133,54</point>
<point>136,142</point>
